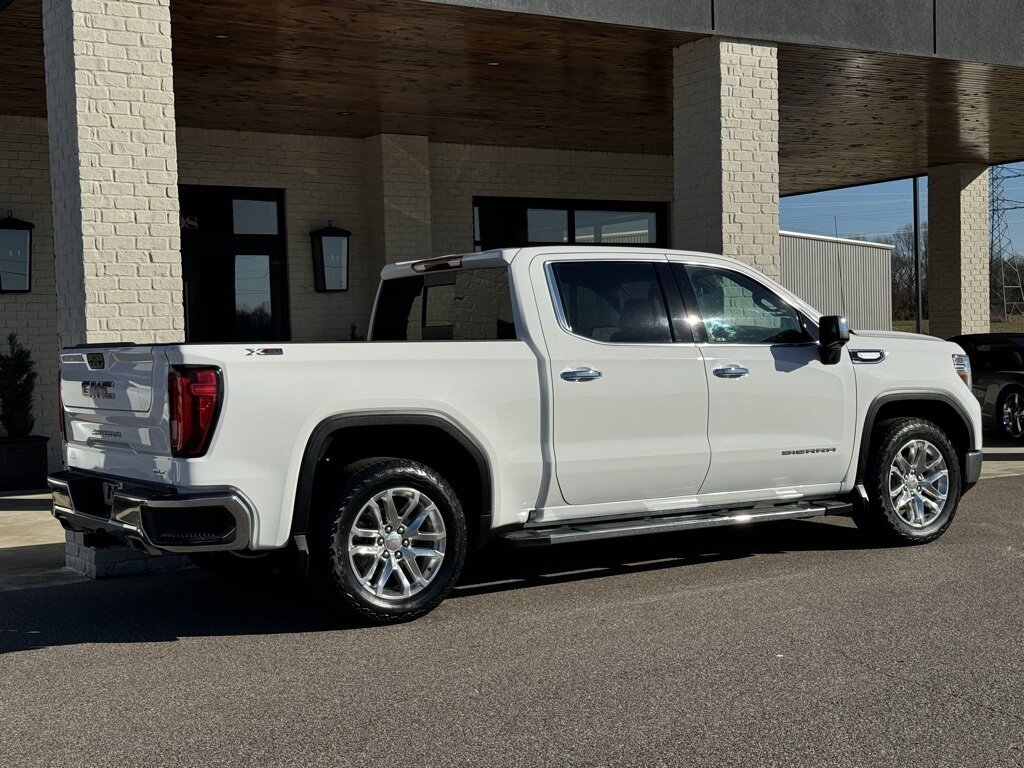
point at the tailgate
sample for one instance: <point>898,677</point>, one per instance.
<point>116,397</point>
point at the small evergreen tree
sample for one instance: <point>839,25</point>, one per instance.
<point>17,382</point>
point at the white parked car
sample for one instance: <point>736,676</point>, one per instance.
<point>539,395</point>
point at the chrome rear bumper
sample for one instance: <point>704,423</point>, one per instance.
<point>159,519</point>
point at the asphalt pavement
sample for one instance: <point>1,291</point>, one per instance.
<point>784,644</point>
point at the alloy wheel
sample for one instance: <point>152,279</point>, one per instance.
<point>919,483</point>
<point>396,543</point>
<point>1013,415</point>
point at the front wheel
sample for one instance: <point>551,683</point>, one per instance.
<point>1010,412</point>
<point>396,540</point>
<point>913,483</point>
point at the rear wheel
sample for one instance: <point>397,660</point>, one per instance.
<point>913,483</point>
<point>1010,412</point>
<point>395,540</point>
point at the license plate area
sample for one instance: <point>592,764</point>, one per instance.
<point>93,496</point>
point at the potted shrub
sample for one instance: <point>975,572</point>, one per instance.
<point>22,454</point>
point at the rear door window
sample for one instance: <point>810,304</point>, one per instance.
<point>620,302</point>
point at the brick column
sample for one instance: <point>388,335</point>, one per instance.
<point>114,191</point>
<point>114,170</point>
<point>398,183</point>
<point>958,249</point>
<point>726,148</point>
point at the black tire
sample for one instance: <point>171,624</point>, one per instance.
<point>1004,429</point>
<point>242,567</point>
<point>879,519</point>
<point>362,482</point>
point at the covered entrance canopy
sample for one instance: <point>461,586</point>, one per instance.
<point>365,67</point>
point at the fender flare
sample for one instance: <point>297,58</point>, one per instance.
<point>320,437</point>
<point>890,397</point>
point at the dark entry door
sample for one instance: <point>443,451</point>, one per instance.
<point>233,264</point>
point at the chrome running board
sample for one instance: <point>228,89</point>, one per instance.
<point>611,529</point>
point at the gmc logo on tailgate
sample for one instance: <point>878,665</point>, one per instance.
<point>98,390</point>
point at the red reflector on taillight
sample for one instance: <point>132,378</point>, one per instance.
<point>195,396</point>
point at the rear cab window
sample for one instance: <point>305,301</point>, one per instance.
<point>464,304</point>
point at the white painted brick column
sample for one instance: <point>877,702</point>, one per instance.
<point>958,249</point>
<point>398,180</point>
<point>114,170</point>
<point>114,191</point>
<point>726,150</point>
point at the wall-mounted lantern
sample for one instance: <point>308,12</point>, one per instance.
<point>15,255</point>
<point>330,258</point>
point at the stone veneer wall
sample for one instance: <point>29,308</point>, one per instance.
<point>958,250</point>
<point>458,172</point>
<point>322,178</point>
<point>25,192</point>
<point>726,142</point>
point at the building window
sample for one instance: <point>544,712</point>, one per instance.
<point>513,222</point>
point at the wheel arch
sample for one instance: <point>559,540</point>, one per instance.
<point>936,407</point>
<point>457,443</point>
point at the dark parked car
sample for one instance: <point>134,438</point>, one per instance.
<point>997,363</point>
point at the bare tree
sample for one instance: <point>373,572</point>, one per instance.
<point>904,291</point>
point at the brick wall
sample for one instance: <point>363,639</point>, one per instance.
<point>110,101</point>
<point>399,174</point>
<point>726,141</point>
<point>458,172</point>
<point>323,180</point>
<point>958,249</point>
<point>25,191</point>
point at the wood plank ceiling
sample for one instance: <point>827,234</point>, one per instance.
<point>360,67</point>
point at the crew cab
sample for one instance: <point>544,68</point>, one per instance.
<point>537,395</point>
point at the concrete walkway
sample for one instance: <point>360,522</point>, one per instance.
<point>32,542</point>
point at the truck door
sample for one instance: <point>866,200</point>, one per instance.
<point>779,418</point>
<point>630,398</point>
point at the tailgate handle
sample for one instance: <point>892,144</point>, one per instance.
<point>581,374</point>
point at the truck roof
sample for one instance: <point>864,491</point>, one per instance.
<point>499,256</point>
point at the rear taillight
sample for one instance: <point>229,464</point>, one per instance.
<point>195,399</point>
<point>60,408</point>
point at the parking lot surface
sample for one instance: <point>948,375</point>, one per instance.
<point>782,644</point>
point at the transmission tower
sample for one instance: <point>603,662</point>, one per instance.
<point>1006,289</point>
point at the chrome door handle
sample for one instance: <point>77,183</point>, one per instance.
<point>731,372</point>
<point>581,374</point>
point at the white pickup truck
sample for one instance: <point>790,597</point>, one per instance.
<point>537,395</point>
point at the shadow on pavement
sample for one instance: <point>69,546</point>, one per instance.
<point>993,456</point>
<point>19,504</point>
<point>163,608</point>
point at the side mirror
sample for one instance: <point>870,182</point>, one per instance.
<point>833,335</point>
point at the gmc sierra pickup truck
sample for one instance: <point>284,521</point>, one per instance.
<point>536,395</point>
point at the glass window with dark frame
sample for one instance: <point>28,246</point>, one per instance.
<point>449,305</point>
<point>512,222</point>
<point>739,310</point>
<point>613,301</point>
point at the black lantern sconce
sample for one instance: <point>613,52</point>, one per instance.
<point>15,255</point>
<point>330,258</point>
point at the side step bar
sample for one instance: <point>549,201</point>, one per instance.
<point>611,529</point>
